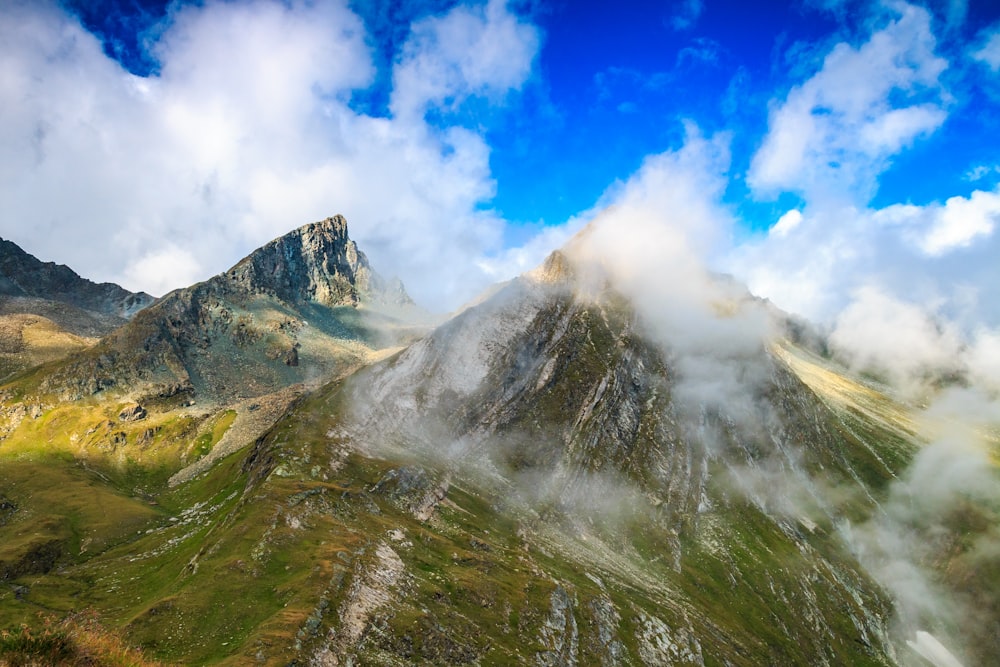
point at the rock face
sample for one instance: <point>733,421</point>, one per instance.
<point>22,275</point>
<point>301,308</point>
<point>315,263</point>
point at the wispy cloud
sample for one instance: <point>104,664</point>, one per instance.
<point>988,51</point>
<point>686,14</point>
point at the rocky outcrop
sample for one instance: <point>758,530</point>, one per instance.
<point>132,413</point>
<point>316,263</point>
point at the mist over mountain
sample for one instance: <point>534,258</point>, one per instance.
<point>713,374</point>
<point>619,457</point>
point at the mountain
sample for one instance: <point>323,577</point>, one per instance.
<point>577,469</point>
<point>302,308</point>
<point>48,312</point>
<point>24,276</point>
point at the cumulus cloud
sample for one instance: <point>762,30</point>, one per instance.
<point>482,50</point>
<point>246,133</point>
<point>959,222</point>
<point>833,134</point>
<point>786,223</point>
<point>654,231</point>
<point>940,254</point>
<point>904,287</point>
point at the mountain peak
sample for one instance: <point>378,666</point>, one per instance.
<point>316,262</point>
<point>556,269</point>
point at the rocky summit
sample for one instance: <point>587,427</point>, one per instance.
<point>283,466</point>
<point>302,308</point>
<point>315,263</point>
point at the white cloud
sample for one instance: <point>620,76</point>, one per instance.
<point>937,230</point>
<point>983,359</point>
<point>164,269</point>
<point>786,223</point>
<point>246,134</point>
<point>937,254</point>
<point>989,52</point>
<point>961,221</point>
<point>830,139</point>
<point>482,50</point>
<point>652,233</point>
<point>901,340</point>
<point>832,135</point>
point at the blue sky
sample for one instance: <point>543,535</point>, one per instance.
<point>829,153</point>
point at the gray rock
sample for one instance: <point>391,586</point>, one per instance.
<point>132,413</point>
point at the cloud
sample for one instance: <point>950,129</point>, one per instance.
<point>961,221</point>
<point>786,223</point>
<point>687,14</point>
<point>983,360</point>
<point>700,52</point>
<point>246,133</point>
<point>832,135</point>
<point>934,540</point>
<point>956,13</point>
<point>988,52</point>
<point>164,269</point>
<point>899,340</point>
<point>650,240</point>
<point>484,50</point>
<point>668,210</point>
<point>516,260</point>
<point>908,290</point>
<point>940,255</point>
<point>981,171</point>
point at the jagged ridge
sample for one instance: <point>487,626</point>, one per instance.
<point>316,262</point>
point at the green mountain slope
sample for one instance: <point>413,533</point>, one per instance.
<point>551,477</point>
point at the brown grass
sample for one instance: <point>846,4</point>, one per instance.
<point>78,640</point>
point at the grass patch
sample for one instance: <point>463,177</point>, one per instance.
<point>78,640</point>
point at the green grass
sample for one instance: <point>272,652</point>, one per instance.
<point>243,564</point>
<point>216,429</point>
